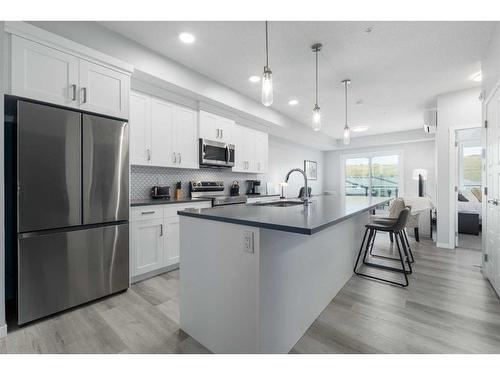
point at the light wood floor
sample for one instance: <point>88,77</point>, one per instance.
<point>448,308</point>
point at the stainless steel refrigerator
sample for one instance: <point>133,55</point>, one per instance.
<point>72,208</point>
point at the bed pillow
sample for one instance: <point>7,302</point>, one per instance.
<point>469,196</point>
<point>477,193</point>
<point>461,198</point>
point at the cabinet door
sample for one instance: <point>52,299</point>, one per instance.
<point>162,125</point>
<point>43,73</point>
<point>225,127</point>
<point>186,138</point>
<point>208,126</point>
<point>239,154</point>
<point>249,150</point>
<point>146,246</point>
<point>261,152</point>
<point>140,129</point>
<point>104,90</point>
<point>172,243</point>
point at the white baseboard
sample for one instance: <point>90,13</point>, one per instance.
<point>445,245</point>
<point>3,331</point>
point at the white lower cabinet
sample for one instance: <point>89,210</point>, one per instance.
<point>154,237</point>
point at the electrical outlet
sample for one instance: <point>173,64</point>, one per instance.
<point>248,241</point>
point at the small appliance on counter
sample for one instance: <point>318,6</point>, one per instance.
<point>235,189</point>
<point>253,187</point>
<point>215,191</point>
<point>178,190</point>
<point>160,192</point>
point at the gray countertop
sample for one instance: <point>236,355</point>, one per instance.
<point>323,211</point>
<point>151,202</point>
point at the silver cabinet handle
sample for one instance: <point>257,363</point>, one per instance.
<point>161,230</point>
<point>149,154</point>
<point>180,158</point>
<point>174,157</point>
<point>493,201</point>
<point>258,166</point>
<point>73,92</point>
<point>147,212</point>
<point>222,133</point>
<point>218,133</point>
<point>84,92</point>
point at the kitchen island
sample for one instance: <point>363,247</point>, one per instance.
<point>253,278</point>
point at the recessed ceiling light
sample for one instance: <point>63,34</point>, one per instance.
<point>359,129</point>
<point>187,38</point>
<point>293,102</point>
<point>477,77</point>
<point>254,79</point>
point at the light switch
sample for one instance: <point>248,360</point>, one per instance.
<point>248,241</point>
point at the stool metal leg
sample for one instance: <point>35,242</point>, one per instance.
<point>360,250</point>
<point>405,251</point>
<point>412,259</point>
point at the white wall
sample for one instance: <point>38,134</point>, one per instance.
<point>283,156</point>
<point>459,108</point>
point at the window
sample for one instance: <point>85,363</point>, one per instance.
<point>470,167</point>
<point>372,176</point>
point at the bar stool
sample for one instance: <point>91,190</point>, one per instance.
<point>388,220</point>
<point>396,228</point>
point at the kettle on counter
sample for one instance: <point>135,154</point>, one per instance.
<point>235,188</point>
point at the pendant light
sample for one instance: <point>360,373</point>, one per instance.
<point>316,124</point>
<point>347,130</point>
<point>267,78</point>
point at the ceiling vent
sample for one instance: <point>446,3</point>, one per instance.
<point>430,121</point>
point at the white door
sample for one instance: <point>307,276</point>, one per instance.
<point>208,126</point>
<point>492,245</point>
<point>162,125</point>
<point>147,246</point>
<point>172,242</point>
<point>140,129</point>
<point>186,138</point>
<point>43,73</point>
<point>225,127</point>
<point>104,90</point>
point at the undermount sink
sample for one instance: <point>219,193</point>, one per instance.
<point>280,203</point>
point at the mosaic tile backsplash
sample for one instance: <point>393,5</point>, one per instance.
<point>142,178</point>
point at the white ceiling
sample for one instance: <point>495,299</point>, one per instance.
<point>396,70</point>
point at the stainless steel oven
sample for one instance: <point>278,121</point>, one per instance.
<point>216,154</point>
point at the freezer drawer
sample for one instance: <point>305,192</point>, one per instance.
<point>48,167</point>
<point>60,270</point>
<point>105,170</point>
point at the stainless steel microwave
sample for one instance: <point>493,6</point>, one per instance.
<point>216,154</point>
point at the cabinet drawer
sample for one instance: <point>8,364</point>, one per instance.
<point>146,213</point>
<point>171,210</point>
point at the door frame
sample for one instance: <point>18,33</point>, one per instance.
<point>454,176</point>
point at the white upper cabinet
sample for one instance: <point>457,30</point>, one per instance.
<point>162,123</point>
<point>43,73</point>
<point>140,129</point>
<point>163,134</point>
<point>186,137</point>
<point>251,150</point>
<point>103,90</point>
<point>51,75</point>
<point>216,128</point>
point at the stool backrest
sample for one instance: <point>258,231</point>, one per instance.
<point>396,206</point>
<point>400,223</point>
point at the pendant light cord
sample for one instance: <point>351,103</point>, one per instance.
<point>267,49</point>
<point>346,83</point>
<point>316,76</point>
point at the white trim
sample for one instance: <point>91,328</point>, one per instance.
<point>445,245</point>
<point>371,154</point>
<point>35,34</point>
<point>453,180</point>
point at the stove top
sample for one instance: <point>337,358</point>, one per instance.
<point>215,191</point>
